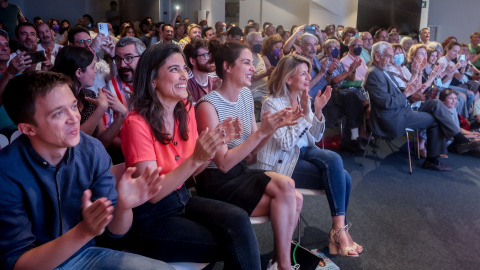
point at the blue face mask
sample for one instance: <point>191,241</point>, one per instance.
<point>276,52</point>
<point>340,33</point>
<point>334,52</point>
<point>357,51</point>
<point>357,35</point>
<point>257,48</point>
<point>398,59</point>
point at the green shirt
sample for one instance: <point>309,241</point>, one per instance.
<point>474,51</point>
<point>365,55</point>
<point>9,17</point>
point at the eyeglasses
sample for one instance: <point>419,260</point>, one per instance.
<point>127,59</point>
<point>81,41</point>
<point>206,56</point>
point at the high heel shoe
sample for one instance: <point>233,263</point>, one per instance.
<point>334,245</point>
<point>356,246</point>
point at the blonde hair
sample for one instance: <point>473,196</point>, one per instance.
<point>413,51</point>
<point>286,67</point>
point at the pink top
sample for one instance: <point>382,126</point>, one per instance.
<point>361,70</point>
<point>139,143</point>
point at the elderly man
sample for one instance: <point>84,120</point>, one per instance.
<point>61,193</point>
<point>193,31</point>
<point>308,45</point>
<point>425,35</point>
<point>393,37</point>
<point>269,30</point>
<point>391,113</point>
<point>367,45</point>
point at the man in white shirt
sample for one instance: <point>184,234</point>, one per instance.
<point>45,34</point>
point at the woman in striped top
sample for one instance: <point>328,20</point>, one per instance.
<point>227,178</point>
<point>292,150</point>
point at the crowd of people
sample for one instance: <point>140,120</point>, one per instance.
<point>236,111</point>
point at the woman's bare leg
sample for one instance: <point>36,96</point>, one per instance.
<point>283,204</point>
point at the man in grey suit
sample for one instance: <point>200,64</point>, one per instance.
<point>391,113</point>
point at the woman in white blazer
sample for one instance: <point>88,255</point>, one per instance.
<point>292,150</point>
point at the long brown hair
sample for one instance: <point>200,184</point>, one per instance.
<point>145,100</point>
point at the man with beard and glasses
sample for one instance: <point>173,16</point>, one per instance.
<point>127,52</point>
<point>200,78</point>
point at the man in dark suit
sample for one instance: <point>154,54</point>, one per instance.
<point>391,113</point>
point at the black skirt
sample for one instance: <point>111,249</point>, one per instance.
<point>239,186</point>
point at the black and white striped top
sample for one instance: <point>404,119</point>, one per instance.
<point>242,108</point>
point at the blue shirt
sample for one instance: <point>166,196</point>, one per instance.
<point>321,84</point>
<point>39,201</point>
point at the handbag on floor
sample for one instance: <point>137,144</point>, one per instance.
<point>303,257</point>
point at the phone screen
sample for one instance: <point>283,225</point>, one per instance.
<point>310,29</point>
<point>37,56</point>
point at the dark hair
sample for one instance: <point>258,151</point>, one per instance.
<point>22,91</point>
<point>247,28</point>
<point>250,21</point>
<point>445,93</point>
<point>447,40</point>
<point>205,30</point>
<point>90,18</point>
<point>165,25</point>
<point>71,58</point>
<point>62,30</point>
<point>75,30</point>
<point>191,49</point>
<point>265,24</point>
<point>235,31</point>
<point>22,24</point>
<point>50,22</point>
<point>145,100</point>
<point>37,18</point>
<point>450,45</point>
<point>414,36</point>
<point>378,32</point>
<point>391,28</point>
<point>228,52</point>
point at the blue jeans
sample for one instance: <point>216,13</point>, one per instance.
<point>323,169</point>
<point>106,259</point>
<point>193,229</point>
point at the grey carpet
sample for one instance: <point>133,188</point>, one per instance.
<point>427,220</point>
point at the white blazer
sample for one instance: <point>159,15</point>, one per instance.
<point>281,152</point>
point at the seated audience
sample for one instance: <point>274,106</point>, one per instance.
<point>179,32</point>
<point>456,70</point>
<point>208,33</point>
<point>161,132</point>
<point>448,40</point>
<point>380,35</point>
<point>62,194</point>
<point>349,98</point>
<point>347,33</point>
<point>47,42</point>
<point>393,38</point>
<point>129,31</point>
<point>309,166</point>
<point>26,37</point>
<point>271,50</point>
<point>389,103</point>
<point>227,177</point>
<point>320,75</point>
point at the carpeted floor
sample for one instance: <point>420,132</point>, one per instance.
<point>426,220</point>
